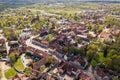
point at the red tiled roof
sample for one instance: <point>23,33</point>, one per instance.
<point>100,72</point>
<point>2,40</point>
<point>30,49</point>
<point>67,67</point>
<point>45,42</point>
<point>84,76</point>
<point>37,64</point>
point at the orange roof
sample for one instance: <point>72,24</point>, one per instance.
<point>84,76</point>
<point>104,34</point>
<point>44,42</point>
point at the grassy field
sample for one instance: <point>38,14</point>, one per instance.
<point>19,65</point>
<point>10,73</point>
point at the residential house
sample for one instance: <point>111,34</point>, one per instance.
<point>83,76</point>
<point>51,77</point>
<point>20,76</point>
<point>100,74</point>
<point>67,68</point>
<point>80,62</point>
<point>26,33</point>
<point>3,48</point>
<point>39,63</point>
<point>106,35</point>
<point>42,43</point>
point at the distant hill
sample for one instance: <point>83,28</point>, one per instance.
<point>18,3</point>
<point>49,1</point>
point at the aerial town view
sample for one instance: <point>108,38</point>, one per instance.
<point>59,39</point>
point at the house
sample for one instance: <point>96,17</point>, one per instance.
<point>83,37</point>
<point>3,48</point>
<point>43,55</point>
<point>80,62</point>
<point>39,63</point>
<point>67,68</point>
<point>35,19</point>
<point>42,43</point>
<point>51,77</point>
<point>83,76</point>
<point>13,42</point>
<point>36,52</point>
<point>59,52</point>
<point>63,22</point>
<point>30,49</point>
<point>100,74</point>
<point>20,76</point>
<point>45,43</point>
<point>43,31</point>
<point>34,73</point>
<point>107,36</point>
<point>26,33</point>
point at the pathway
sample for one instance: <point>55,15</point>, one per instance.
<point>3,67</point>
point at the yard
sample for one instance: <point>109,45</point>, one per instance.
<point>19,65</point>
<point>10,73</point>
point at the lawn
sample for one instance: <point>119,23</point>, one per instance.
<point>10,73</point>
<point>19,65</point>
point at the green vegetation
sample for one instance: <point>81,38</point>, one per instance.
<point>76,51</point>
<point>106,56</point>
<point>27,71</point>
<point>0,73</point>
<point>112,21</point>
<point>92,19</point>
<point>42,68</point>
<point>19,65</point>
<point>49,59</point>
<point>50,38</point>
<point>13,57</point>
<point>10,73</point>
<point>3,55</point>
<point>10,33</point>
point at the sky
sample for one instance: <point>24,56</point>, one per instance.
<point>98,0</point>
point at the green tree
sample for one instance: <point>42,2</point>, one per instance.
<point>27,71</point>
<point>65,49</point>
<point>110,20</point>
<point>13,57</point>
<point>111,53</point>
<point>92,50</point>
<point>107,62</point>
<point>49,59</point>
<point>42,68</point>
<point>93,63</point>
